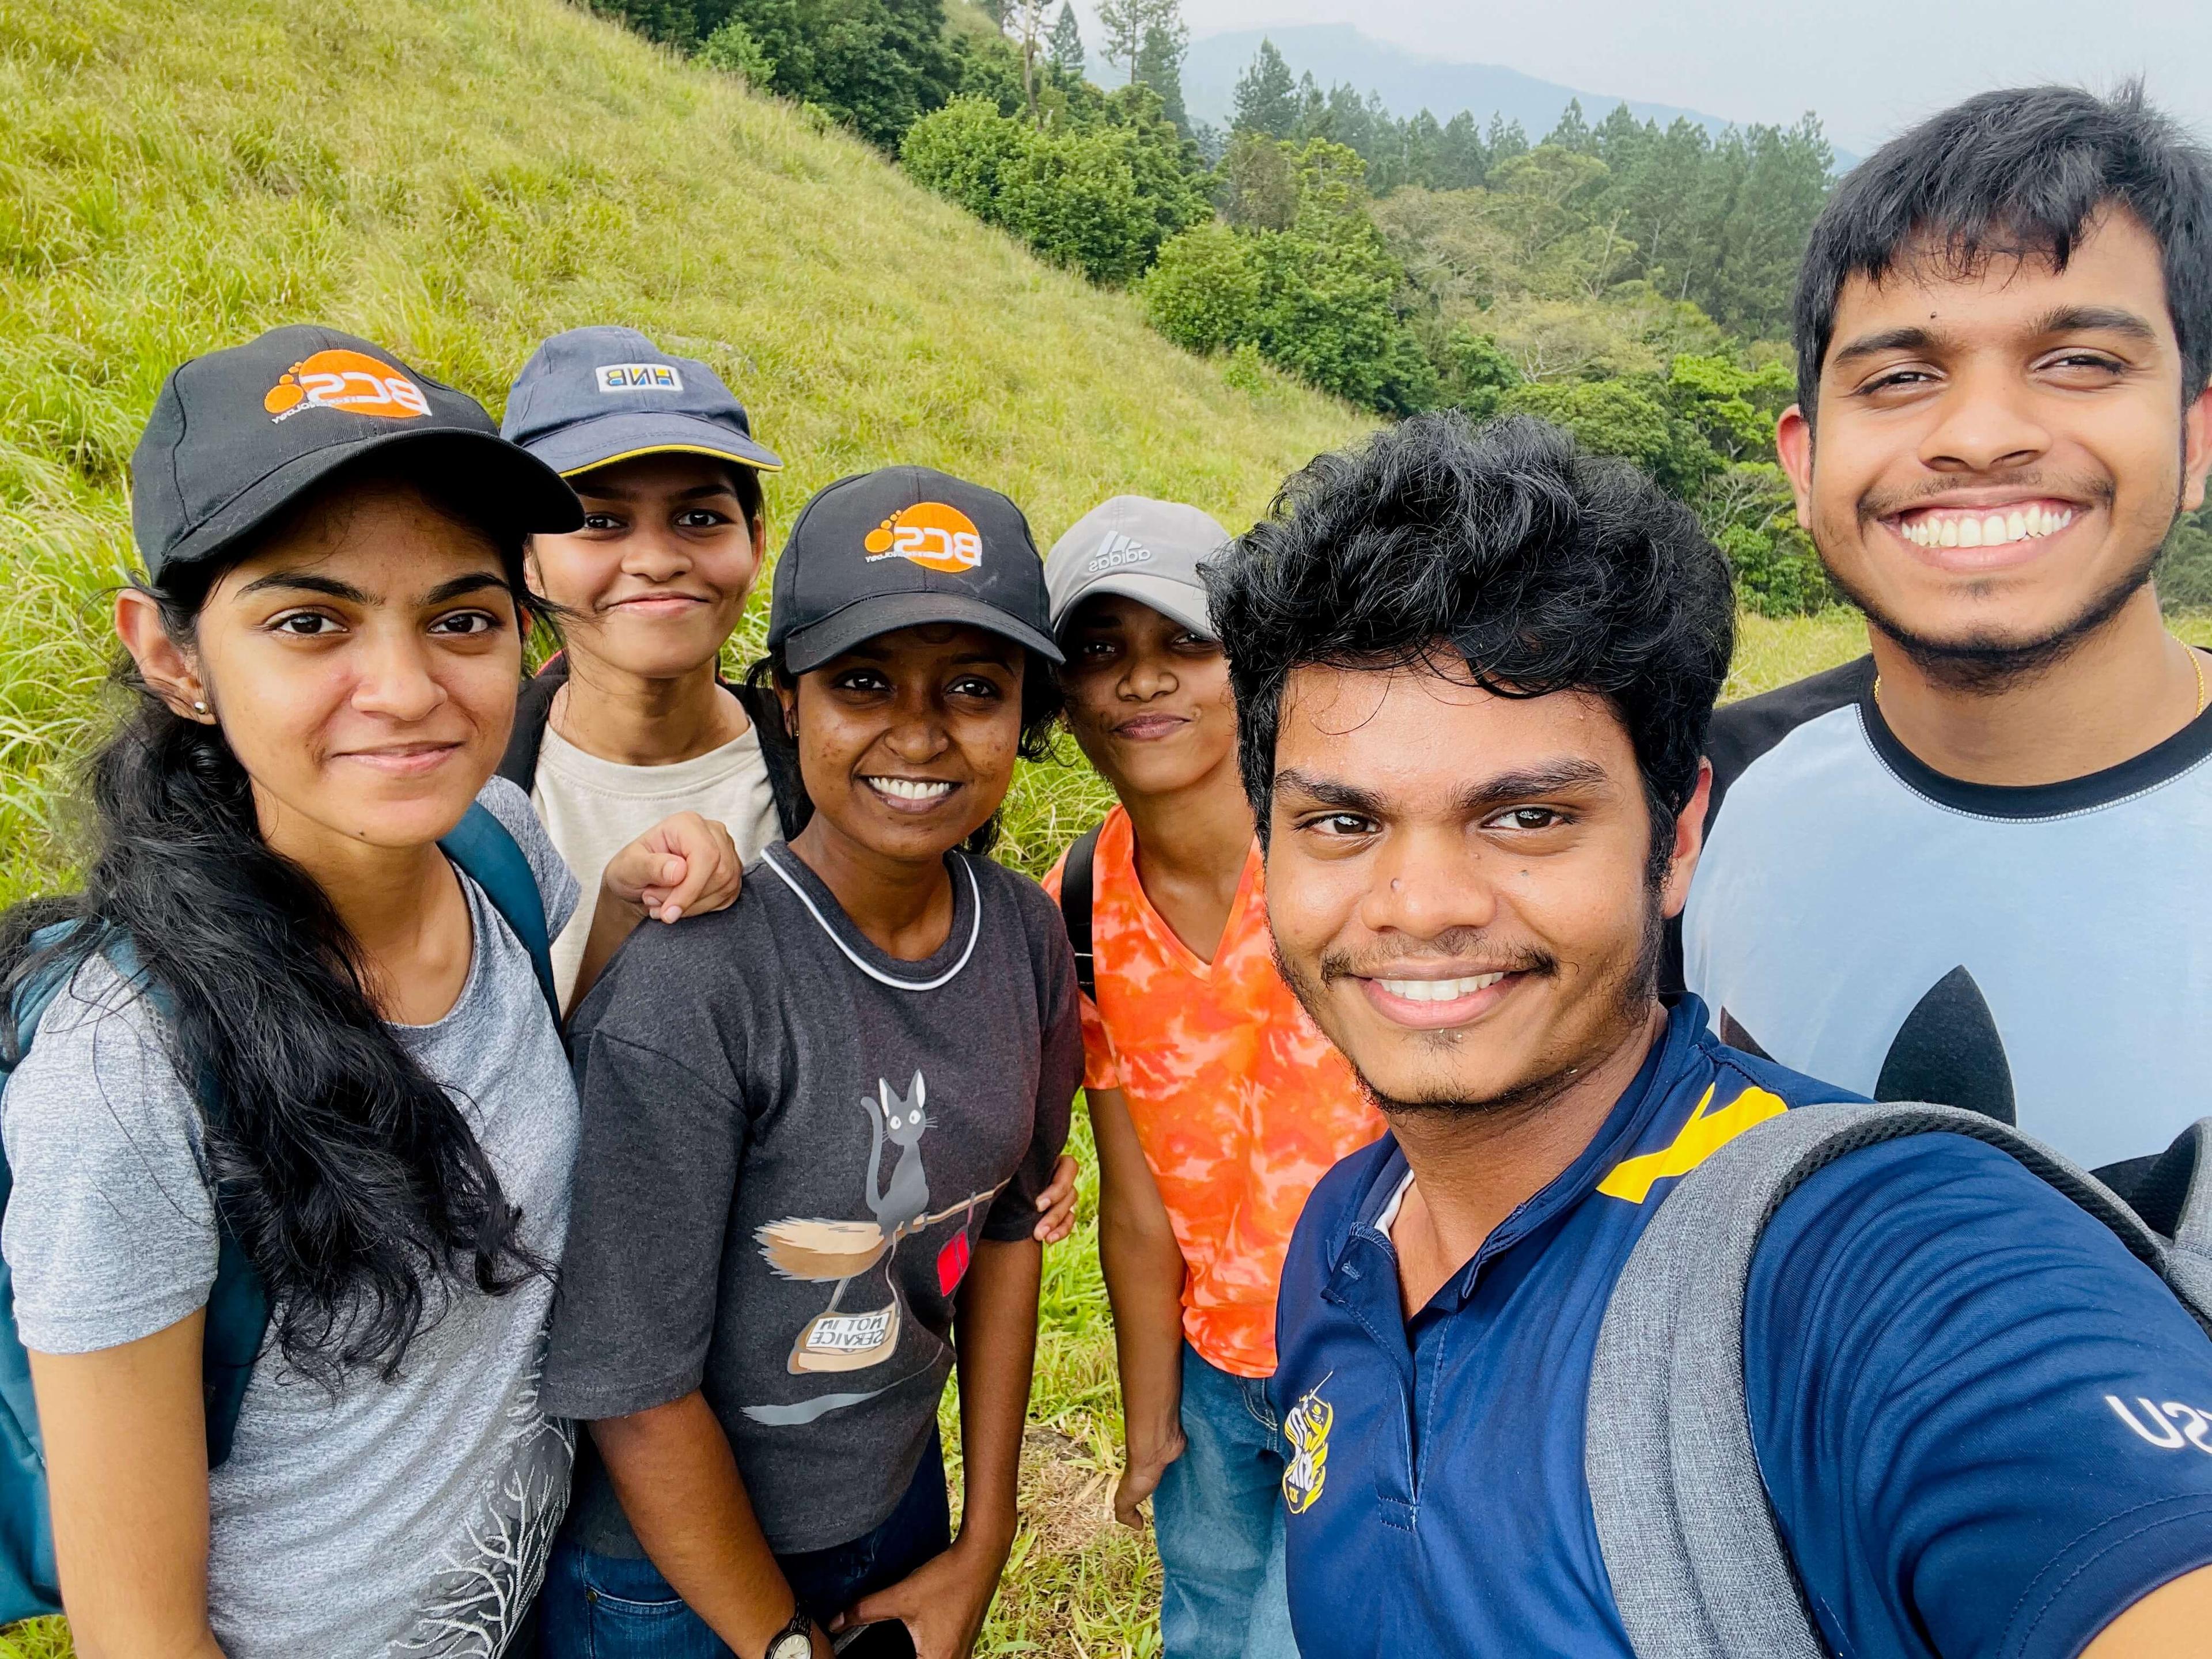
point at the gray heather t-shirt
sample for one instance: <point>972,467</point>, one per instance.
<point>792,1141</point>
<point>411,1518</point>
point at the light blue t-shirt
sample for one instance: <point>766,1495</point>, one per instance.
<point>2042,954</point>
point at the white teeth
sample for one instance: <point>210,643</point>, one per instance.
<point>1987,530</point>
<point>911,788</point>
<point>1439,990</point>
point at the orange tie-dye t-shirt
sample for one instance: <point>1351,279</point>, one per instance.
<point>1240,1102</point>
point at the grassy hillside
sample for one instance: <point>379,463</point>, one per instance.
<point>458,177</point>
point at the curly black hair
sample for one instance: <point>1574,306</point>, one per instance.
<point>2023,171</point>
<point>1545,569</point>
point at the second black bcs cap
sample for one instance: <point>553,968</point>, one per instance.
<point>899,548</point>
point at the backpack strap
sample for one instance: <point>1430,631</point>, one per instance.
<point>1696,1557</point>
<point>237,1320</point>
<point>533,707</point>
<point>481,845</point>
<point>1075,894</point>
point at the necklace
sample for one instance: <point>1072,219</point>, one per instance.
<point>2195,661</point>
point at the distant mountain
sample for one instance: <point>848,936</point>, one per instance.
<point>1408,81</point>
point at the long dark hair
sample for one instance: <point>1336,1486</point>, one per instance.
<point>351,1179</point>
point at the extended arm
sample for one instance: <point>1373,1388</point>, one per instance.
<point>679,1485</point>
<point>126,1470</point>
<point>2169,1623</point>
<point>1145,1274</point>
<point>943,1602</point>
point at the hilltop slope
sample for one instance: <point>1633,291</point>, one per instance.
<point>456,178</point>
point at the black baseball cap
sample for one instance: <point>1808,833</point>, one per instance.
<point>594,396</point>
<point>238,436</point>
<point>900,547</point>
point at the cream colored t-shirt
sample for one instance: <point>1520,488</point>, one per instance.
<point>593,808</point>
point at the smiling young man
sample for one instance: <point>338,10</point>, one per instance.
<point>1963,868</point>
<point>1472,676</point>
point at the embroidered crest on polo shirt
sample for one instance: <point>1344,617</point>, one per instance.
<point>1307,1429</point>
<point>932,534</point>
<point>637,377</point>
<point>351,380</point>
<point>1117,552</point>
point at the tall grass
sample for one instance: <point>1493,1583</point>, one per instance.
<point>458,179</point>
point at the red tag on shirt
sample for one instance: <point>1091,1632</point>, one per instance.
<point>952,1263</point>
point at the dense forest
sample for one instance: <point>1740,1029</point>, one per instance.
<point>1631,281</point>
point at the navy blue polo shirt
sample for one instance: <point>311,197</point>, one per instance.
<point>1985,1427</point>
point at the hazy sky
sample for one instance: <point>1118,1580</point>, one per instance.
<point>1868,67</point>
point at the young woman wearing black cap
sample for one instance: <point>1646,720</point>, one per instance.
<point>290,1141</point>
<point>815,1128</point>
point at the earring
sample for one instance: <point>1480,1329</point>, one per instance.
<point>199,707</point>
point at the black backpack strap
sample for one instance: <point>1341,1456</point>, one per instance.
<point>533,706</point>
<point>779,752</point>
<point>1076,882</point>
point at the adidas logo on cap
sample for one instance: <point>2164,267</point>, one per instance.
<point>1117,552</point>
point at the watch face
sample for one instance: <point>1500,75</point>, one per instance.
<point>792,1645</point>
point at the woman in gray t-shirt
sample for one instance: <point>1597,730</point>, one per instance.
<point>299,1058</point>
<point>816,1125</point>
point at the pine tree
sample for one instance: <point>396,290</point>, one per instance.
<point>1573,131</point>
<point>1124,22</point>
<point>1066,41</point>
<point>1267,96</point>
<point>1159,66</point>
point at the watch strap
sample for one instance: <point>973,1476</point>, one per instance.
<point>795,1640</point>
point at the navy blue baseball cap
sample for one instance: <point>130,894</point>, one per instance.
<point>237,437</point>
<point>594,396</point>
<point>900,547</point>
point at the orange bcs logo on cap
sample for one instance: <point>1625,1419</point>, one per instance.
<point>933,535</point>
<point>350,381</point>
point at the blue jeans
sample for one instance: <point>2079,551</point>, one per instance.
<point>608,1607</point>
<point>1218,1517</point>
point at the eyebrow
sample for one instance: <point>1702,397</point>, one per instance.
<point>474,582</point>
<point>2095,320</point>
<point>1489,794</point>
<point>616,493</point>
<point>2064,320</point>
<point>300,581</point>
<point>1911,337</point>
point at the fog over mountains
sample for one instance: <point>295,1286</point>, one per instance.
<point>1408,80</point>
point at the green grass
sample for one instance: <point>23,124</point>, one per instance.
<point>457,179</point>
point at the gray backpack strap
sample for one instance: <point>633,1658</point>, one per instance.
<point>1698,1565</point>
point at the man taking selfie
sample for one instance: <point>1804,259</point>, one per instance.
<point>1472,676</point>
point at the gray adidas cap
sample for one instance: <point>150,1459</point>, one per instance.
<point>594,396</point>
<point>1145,550</point>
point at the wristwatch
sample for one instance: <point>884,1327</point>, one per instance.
<point>795,1640</point>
